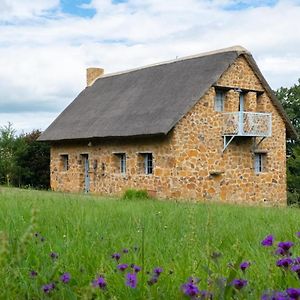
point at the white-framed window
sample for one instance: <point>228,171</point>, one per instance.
<point>219,100</point>
<point>148,163</point>
<point>65,161</point>
<point>259,162</point>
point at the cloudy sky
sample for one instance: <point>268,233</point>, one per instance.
<point>46,45</point>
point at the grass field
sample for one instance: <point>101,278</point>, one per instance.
<point>207,241</point>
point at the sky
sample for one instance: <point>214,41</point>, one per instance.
<point>46,45</point>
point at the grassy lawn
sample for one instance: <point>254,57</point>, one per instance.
<point>183,239</point>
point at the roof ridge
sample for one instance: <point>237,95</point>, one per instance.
<point>236,48</point>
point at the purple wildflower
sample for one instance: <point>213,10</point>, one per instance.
<point>152,280</point>
<point>244,265</point>
<point>297,260</point>
<point>190,289</point>
<point>239,283</point>
<point>33,274</point>
<point>284,262</point>
<point>136,269</point>
<point>65,278</point>
<point>100,282</point>
<point>298,234</point>
<point>125,250</point>
<point>206,295</point>
<point>54,255</point>
<point>273,295</point>
<point>268,241</point>
<point>131,280</point>
<point>37,234</point>
<point>293,293</point>
<point>116,256</point>
<point>42,239</point>
<point>157,271</point>
<point>296,269</point>
<point>122,267</point>
<point>47,288</point>
<point>286,247</point>
<point>280,251</point>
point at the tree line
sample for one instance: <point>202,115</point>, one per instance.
<point>25,162</point>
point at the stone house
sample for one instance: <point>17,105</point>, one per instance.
<point>201,127</point>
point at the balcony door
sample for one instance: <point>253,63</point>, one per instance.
<point>241,115</point>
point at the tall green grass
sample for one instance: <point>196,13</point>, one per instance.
<point>181,238</point>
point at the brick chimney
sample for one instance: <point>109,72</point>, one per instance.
<point>92,74</point>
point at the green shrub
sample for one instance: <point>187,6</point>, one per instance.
<point>132,194</point>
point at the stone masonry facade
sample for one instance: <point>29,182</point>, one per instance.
<point>189,162</point>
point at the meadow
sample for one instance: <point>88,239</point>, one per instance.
<point>66,246</point>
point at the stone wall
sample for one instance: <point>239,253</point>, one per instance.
<point>188,163</point>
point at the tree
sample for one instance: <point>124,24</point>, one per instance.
<point>290,99</point>
<point>23,160</point>
<point>34,162</point>
<point>10,146</point>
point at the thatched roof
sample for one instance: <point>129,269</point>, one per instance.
<point>148,100</point>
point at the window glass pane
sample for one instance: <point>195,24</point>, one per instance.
<point>123,163</point>
<point>259,163</point>
<point>148,163</point>
<point>219,101</point>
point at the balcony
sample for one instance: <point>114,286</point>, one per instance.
<point>249,124</point>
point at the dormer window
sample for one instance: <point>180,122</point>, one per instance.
<point>219,100</point>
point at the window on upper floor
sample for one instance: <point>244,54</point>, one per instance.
<point>219,100</point>
<point>65,162</point>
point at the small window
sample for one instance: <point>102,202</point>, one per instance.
<point>148,163</point>
<point>219,100</point>
<point>259,162</point>
<point>65,162</point>
<point>121,162</point>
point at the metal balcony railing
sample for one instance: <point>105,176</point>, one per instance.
<point>247,124</point>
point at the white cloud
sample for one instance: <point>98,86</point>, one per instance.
<point>10,9</point>
<point>43,59</point>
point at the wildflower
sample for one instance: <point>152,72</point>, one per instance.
<point>298,234</point>
<point>37,234</point>
<point>125,250</point>
<point>47,288</point>
<point>136,269</point>
<point>268,241</point>
<point>190,289</point>
<point>33,274</point>
<point>122,267</point>
<point>135,248</point>
<point>297,260</point>
<point>244,265</point>
<point>100,282</point>
<point>42,239</point>
<point>280,251</point>
<point>284,262</point>
<point>53,255</point>
<point>206,295</point>
<point>293,293</point>
<point>273,295</point>
<point>131,280</point>
<point>157,271</point>
<point>285,246</point>
<point>239,283</point>
<point>65,278</point>
<point>152,280</point>
<point>116,256</point>
<point>296,269</point>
